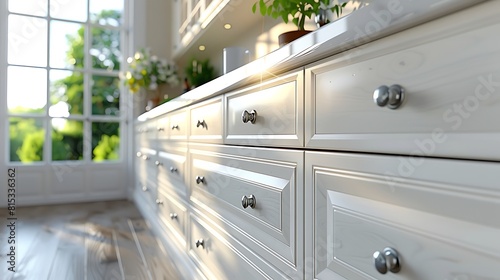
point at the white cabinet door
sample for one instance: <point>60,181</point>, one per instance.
<point>256,196</point>
<point>450,74</point>
<point>270,113</point>
<point>440,219</point>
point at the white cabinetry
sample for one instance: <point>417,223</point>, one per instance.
<point>303,176</point>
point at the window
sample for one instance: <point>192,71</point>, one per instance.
<point>64,96</point>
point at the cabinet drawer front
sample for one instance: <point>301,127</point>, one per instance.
<point>451,95</point>
<point>172,170</point>
<point>162,128</point>
<point>178,125</point>
<point>357,212</point>
<point>272,178</point>
<point>217,257</point>
<point>206,121</point>
<point>274,110</point>
<point>174,215</point>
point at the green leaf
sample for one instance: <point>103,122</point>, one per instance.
<point>254,7</point>
<point>263,8</point>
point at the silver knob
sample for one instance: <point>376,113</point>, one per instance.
<point>157,163</point>
<point>173,169</point>
<point>249,117</point>
<point>145,157</point>
<point>175,127</point>
<point>201,123</point>
<point>388,260</point>
<point>173,216</point>
<point>248,201</point>
<point>144,188</point>
<point>161,129</point>
<point>200,242</point>
<point>158,201</point>
<point>200,179</point>
<point>139,154</point>
<point>392,96</point>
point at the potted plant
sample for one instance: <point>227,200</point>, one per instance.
<point>148,72</point>
<point>199,72</point>
<point>298,10</point>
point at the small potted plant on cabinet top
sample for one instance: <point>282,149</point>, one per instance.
<point>298,10</point>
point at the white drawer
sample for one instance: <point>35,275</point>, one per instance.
<point>172,170</point>
<point>451,78</point>
<point>162,128</point>
<point>146,133</point>
<point>178,125</point>
<point>218,258</point>
<point>174,215</point>
<point>206,121</point>
<point>441,220</point>
<point>146,172</point>
<point>273,110</point>
<point>223,176</point>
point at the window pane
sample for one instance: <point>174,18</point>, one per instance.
<point>67,139</point>
<point>69,9</point>
<point>105,141</point>
<point>106,12</point>
<point>27,41</point>
<point>26,90</point>
<point>66,93</point>
<point>105,50</point>
<point>26,139</point>
<point>66,44</point>
<point>30,7</point>
<point>105,95</point>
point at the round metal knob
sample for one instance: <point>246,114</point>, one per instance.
<point>248,201</point>
<point>157,163</point>
<point>200,242</point>
<point>201,123</point>
<point>173,169</point>
<point>145,157</point>
<point>249,117</point>
<point>173,216</point>
<point>139,154</point>
<point>200,179</point>
<point>175,127</point>
<point>392,96</point>
<point>144,188</point>
<point>158,201</point>
<point>161,129</point>
<point>388,260</point>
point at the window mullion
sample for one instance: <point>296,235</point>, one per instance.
<point>87,96</point>
<point>47,151</point>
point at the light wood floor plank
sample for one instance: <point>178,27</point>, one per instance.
<point>160,266</point>
<point>85,241</point>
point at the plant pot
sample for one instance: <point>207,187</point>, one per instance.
<point>290,36</point>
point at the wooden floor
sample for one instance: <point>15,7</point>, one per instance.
<point>94,241</point>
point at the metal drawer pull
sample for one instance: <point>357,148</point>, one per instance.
<point>200,242</point>
<point>248,201</point>
<point>201,123</point>
<point>173,216</point>
<point>161,129</point>
<point>175,127</point>
<point>249,117</point>
<point>200,179</point>
<point>145,157</point>
<point>144,188</point>
<point>158,201</point>
<point>173,169</point>
<point>157,163</point>
<point>392,96</point>
<point>387,260</point>
<point>139,154</point>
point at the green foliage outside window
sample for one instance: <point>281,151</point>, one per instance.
<point>27,135</point>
